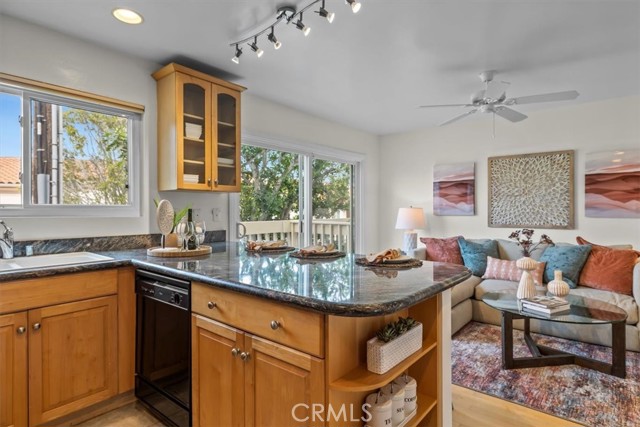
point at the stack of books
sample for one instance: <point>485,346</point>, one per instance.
<point>546,305</point>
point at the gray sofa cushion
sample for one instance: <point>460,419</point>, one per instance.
<point>464,290</point>
<point>510,250</point>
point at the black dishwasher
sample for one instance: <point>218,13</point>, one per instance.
<point>163,343</point>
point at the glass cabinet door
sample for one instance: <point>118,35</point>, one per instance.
<point>226,146</point>
<point>193,133</point>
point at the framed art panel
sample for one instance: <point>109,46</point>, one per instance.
<point>454,188</point>
<point>612,184</point>
<point>532,190</point>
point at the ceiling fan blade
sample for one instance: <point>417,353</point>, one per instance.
<point>461,116</point>
<point>495,90</point>
<point>545,97</point>
<point>446,105</point>
<point>509,114</point>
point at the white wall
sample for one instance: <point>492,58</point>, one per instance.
<point>37,53</point>
<point>409,159</point>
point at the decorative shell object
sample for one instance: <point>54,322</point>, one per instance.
<point>526,287</point>
<point>526,263</point>
<point>557,286</point>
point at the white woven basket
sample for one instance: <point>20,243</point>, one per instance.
<point>383,356</point>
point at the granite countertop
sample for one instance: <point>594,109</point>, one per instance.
<point>338,286</point>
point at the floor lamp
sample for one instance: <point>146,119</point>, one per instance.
<point>410,219</point>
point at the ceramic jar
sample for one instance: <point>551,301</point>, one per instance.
<point>557,286</point>
<point>526,287</point>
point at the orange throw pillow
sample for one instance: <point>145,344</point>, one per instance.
<point>608,269</point>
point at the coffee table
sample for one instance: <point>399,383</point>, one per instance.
<point>584,311</point>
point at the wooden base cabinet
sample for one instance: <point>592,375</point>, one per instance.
<point>13,370</point>
<point>243,380</point>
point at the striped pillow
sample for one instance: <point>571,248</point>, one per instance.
<point>503,269</point>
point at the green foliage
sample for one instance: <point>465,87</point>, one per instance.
<point>95,158</point>
<point>393,330</point>
<point>270,186</point>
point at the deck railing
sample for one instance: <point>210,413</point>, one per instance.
<point>324,231</point>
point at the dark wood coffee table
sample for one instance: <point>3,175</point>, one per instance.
<point>584,311</point>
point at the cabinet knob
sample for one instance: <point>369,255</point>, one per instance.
<point>275,324</point>
<point>21,330</point>
<point>215,182</point>
<point>209,182</point>
<point>235,351</point>
<point>244,355</point>
<point>211,305</point>
<point>36,326</point>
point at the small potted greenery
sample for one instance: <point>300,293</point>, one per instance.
<point>393,343</point>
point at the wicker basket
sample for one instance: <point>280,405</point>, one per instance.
<point>383,356</point>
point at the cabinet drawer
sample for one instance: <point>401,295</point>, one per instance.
<point>297,328</point>
<point>32,293</point>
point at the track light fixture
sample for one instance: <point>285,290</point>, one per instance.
<point>355,5</point>
<point>304,28</point>
<point>273,39</point>
<point>254,47</point>
<point>326,14</point>
<point>287,14</point>
<point>236,58</point>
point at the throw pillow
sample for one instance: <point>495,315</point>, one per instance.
<point>475,255</point>
<point>503,269</point>
<point>609,269</point>
<point>568,259</point>
<point>443,250</point>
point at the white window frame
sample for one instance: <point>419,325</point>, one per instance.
<point>311,151</point>
<point>27,209</point>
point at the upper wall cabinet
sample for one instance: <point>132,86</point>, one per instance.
<point>198,131</point>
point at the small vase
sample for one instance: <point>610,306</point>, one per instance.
<point>557,286</point>
<point>171,240</point>
<point>526,287</point>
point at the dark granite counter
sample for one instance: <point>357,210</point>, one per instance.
<point>338,286</point>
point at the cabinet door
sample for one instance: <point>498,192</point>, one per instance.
<point>72,357</point>
<point>13,370</point>
<point>193,133</point>
<point>226,143</point>
<point>217,374</point>
<point>281,385</point>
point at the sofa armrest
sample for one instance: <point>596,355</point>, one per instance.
<point>421,253</point>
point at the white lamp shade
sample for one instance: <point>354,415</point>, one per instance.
<point>410,219</point>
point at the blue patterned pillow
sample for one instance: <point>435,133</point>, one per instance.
<point>475,254</point>
<point>568,259</point>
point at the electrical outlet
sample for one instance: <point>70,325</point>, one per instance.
<point>216,212</point>
<point>196,214</point>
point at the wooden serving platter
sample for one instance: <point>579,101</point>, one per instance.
<point>177,252</point>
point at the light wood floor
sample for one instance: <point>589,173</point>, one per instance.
<point>470,409</point>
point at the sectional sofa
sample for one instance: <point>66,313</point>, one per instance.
<point>467,304</point>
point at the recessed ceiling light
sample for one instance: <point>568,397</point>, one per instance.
<point>127,16</point>
<point>616,160</point>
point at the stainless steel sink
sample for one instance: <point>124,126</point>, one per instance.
<point>43,261</point>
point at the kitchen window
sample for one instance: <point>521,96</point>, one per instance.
<point>67,156</point>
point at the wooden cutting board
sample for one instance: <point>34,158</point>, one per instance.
<point>178,253</point>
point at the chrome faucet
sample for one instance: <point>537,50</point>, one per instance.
<point>6,242</point>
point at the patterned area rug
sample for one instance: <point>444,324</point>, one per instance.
<point>570,392</point>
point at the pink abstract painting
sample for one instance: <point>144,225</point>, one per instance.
<point>454,188</point>
<point>612,184</point>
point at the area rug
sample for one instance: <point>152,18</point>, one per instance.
<point>570,392</point>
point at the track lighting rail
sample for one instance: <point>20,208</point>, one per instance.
<point>288,14</point>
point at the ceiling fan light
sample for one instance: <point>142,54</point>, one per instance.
<point>355,5</point>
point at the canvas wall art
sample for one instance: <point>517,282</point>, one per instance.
<point>454,189</point>
<point>612,184</point>
<point>532,190</point>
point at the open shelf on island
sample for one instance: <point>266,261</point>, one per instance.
<point>360,379</point>
<point>425,405</point>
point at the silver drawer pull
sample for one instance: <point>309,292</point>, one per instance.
<point>244,355</point>
<point>36,326</point>
<point>21,330</point>
<point>212,305</point>
<point>275,324</point>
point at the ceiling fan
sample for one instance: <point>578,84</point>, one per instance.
<point>493,99</point>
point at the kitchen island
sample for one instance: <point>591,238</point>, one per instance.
<point>282,341</point>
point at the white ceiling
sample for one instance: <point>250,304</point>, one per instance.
<point>372,69</point>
